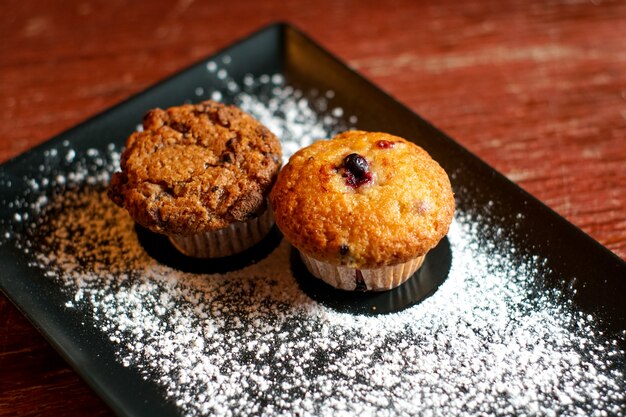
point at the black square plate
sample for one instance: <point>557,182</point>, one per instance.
<point>587,279</point>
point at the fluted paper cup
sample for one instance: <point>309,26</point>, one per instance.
<point>351,279</point>
<point>230,240</point>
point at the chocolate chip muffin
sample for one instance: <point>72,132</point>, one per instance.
<point>200,174</point>
<point>363,208</point>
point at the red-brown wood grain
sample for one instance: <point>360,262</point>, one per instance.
<point>535,88</point>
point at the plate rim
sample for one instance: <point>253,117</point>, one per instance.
<point>282,27</point>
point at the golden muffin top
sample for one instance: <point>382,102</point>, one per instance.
<point>363,199</point>
<point>196,168</point>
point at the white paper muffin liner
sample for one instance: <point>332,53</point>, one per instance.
<point>346,278</point>
<point>230,240</point>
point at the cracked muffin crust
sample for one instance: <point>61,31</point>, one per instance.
<point>196,168</point>
<point>363,201</point>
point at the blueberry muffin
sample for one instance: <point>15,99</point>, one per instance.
<point>363,208</point>
<point>200,174</point>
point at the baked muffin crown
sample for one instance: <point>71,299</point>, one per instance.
<point>363,199</point>
<point>196,168</point>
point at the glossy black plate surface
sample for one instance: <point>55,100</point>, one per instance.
<point>595,279</point>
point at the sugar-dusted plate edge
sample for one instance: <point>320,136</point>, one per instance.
<point>88,351</point>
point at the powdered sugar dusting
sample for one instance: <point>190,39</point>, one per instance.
<point>298,118</point>
<point>250,342</point>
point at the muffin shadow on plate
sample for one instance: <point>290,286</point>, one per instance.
<point>160,248</point>
<point>421,285</point>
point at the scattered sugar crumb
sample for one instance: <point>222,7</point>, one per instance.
<point>250,342</point>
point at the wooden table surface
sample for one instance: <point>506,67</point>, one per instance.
<point>536,89</point>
